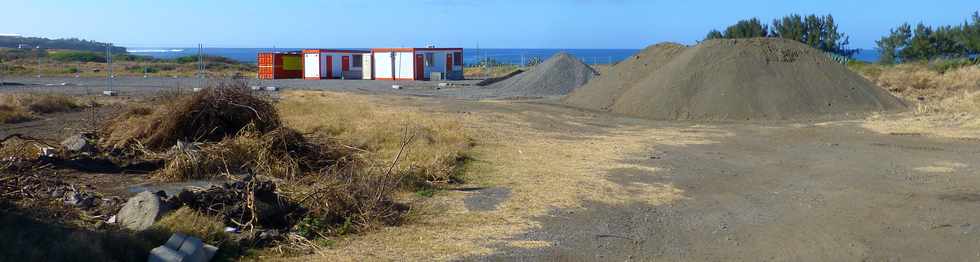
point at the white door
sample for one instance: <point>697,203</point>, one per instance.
<point>311,65</point>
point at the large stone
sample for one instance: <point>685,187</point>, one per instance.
<point>141,211</point>
<point>78,144</point>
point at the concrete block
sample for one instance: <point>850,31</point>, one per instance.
<point>175,241</point>
<point>165,254</point>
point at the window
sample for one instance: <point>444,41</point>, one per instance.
<point>358,61</point>
<point>458,58</point>
<point>430,59</point>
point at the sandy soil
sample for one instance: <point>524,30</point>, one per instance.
<point>550,182</point>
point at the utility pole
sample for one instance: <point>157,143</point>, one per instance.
<point>108,74</point>
<point>200,64</point>
<point>37,54</point>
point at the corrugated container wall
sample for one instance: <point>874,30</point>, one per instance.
<point>280,65</point>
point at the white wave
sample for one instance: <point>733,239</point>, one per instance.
<point>156,50</point>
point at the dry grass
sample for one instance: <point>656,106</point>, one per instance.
<point>281,153</point>
<point>210,115</point>
<point>191,222</point>
<point>946,104</point>
<point>915,81</point>
<point>436,155</point>
<point>545,168</point>
<point>22,107</point>
<point>13,115</point>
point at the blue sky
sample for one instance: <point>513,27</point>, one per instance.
<point>465,23</point>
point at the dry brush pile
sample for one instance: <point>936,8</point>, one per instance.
<point>318,185</point>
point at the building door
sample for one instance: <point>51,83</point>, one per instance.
<point>419,67</point>
<point>329,67</point>
<point>449,65</point>
<point>345,64</point>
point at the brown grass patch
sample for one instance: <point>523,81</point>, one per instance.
<point>22,107</point>
<point>436,156</point>
<point>13,115</point>
<point>945,104</point>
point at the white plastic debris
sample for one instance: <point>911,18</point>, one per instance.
<point>396,86</point>
<point>109,93</point>
<point>48,151</point>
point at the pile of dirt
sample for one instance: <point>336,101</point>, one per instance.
<point>602,92</point>
<point>734,79</point>
<point>558,75</point>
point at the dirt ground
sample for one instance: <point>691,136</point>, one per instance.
<point>550,182</point>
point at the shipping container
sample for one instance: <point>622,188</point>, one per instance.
<point>334,64</point>
<point>280,65</point>
<point>417,63</point>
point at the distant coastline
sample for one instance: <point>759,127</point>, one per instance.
<point>471,55</point>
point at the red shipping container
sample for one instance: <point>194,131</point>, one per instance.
<point>280,65</point>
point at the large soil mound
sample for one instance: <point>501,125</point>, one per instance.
<point>602,92</point>
<point>741,79</point>
<point>558,75</point>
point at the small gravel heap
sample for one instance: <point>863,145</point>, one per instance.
<point>558,75</point>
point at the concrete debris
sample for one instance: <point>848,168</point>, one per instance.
<point>183,248</point>
<point>141,211</point>
<point>79,143</point>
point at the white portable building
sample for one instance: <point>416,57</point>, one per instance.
<point>334,64</point>
<point>417,63</point>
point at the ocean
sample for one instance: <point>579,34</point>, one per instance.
<point>470,55</point>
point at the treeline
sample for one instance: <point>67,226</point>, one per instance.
<point>820,32</point>
<point>64,43</point>
<point>923,42</point>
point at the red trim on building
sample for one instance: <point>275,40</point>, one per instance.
<point>342,51</point>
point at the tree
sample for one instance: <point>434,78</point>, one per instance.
<point>747,29</point>
<point>714,34</point>
<point>920,46</point>
<point>889,45</point>
<point>789,27</point>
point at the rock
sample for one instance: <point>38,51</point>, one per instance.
<point>141,211</point>
<point>79,143</point>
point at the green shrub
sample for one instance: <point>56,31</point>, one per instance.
<point>77,56</point>
<point>945,65</point>
<point>72,70</point>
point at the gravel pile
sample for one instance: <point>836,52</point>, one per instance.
<point>734,79</point>
<point>558,75</point>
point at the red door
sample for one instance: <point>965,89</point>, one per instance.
<point>449,64</point>
<point>344,64</point>
<point>329,67</point>
<point>419,67</point>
